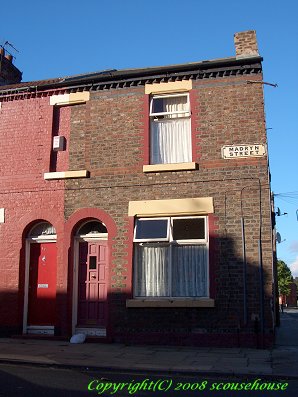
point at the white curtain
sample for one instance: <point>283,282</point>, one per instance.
<point>176,104</point>
<point>171,141</point>
<point>151,264</point>
<point>186,276</point>
<point>171,136</point>
<point>189,270</point>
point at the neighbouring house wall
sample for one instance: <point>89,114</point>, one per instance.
<point>291,299</point>
<point>26,129</point>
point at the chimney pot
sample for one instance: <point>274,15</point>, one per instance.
<point>8,57</point>
<point>246,44</point>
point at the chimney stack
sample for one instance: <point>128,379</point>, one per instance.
<point>246,44</point>
<point>9,74</point>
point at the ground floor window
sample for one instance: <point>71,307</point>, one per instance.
<point>171,257</point>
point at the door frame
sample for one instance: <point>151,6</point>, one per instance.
<point>40,239</point>
<point>88,238</point>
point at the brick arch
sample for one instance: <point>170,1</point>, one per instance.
<point>84,214</point>
<point>31,225</point>
<point>27,221</point>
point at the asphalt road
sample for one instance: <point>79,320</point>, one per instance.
<point>35,381</point>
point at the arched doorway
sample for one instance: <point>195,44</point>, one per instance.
<point>90,279</point>
<point>40,280</point>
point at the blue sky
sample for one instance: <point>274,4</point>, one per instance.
<point>60,38</point>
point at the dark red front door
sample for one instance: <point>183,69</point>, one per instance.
<point>42,284</point>
<point>92,284</point>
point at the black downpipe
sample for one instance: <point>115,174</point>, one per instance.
<point>244,273</point>
<point>261,294</point>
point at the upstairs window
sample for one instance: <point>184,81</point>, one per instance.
<point>170,129</point>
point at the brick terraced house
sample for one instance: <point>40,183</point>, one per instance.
<point>135,205</point>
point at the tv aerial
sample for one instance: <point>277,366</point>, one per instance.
<point>8,44</point>
<point>278,212</point>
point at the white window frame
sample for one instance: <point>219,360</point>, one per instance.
<point>194,240</point>
<point>157,118</point>
<point>169,237</point>
<point>170,242</point>
<point>185,112</point>
<point>163,239</point>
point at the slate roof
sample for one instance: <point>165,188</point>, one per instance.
<point>113,78</point>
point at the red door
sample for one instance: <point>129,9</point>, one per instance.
<point>42,284</point>
<point>92,284</point>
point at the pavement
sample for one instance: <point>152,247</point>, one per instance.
<point>280,362</point>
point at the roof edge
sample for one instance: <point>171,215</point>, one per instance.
<point>115,76</point>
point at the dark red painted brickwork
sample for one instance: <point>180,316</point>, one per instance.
<point>61,127</point>
<point>213,253</point>
<point>195,125</point>
<point>146,129</point>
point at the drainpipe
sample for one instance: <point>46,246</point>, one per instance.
<point>244,273</point>
<point>261,293</point>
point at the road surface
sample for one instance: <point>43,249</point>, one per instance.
<point>35,381</point>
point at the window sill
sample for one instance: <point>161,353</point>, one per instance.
<point>170,167</point>
<point>200,302</point>
<point>66,175</point>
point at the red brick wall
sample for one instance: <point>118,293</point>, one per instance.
<point>291,300</point>
<point>25,144</point>
<point>61,127</point>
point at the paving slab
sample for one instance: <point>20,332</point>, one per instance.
<point>131,357</point>
<point>282,361</point>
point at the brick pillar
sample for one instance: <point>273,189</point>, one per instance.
<point>246,44</point>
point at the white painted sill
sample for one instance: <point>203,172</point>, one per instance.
<point>171,167</point>
<point>200,302</point>
<point>66,175</point>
